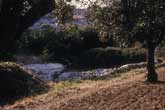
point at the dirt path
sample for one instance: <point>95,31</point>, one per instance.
<point>123,93</point>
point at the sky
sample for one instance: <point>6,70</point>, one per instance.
<point>79,4</point>
<point>85,3</point>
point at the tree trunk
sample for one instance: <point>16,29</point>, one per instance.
<point>151,75</point>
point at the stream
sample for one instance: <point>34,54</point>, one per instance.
<point>57,72</point>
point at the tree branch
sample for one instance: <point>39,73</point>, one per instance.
<point>35,13</point>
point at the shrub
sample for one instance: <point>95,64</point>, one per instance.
<point>17,83</point>
<point>161,52</point>
<point>59,44</point>
<point>110,57</point>
<point>6,56</point>
<point>77,46</point>
<point>36,40</point>
<point>90,38</point>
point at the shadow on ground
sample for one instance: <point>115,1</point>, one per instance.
<point>15,83</point>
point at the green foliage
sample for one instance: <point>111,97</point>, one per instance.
<point>161,52</point>
<point>59,44</point>
<point>78,46</point>
<point>63,85</point>
<point>110,57</point>
<point>33,41</point>
<point>63,12</point>
<point>4,56</point>
<point>55,43</point>
<point>145,20</point>
<point>124,20</point>
<point>107,20</point>
<point>16,16</point>
<point>90,38</point>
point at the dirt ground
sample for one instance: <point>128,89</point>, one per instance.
<point>128,92</point>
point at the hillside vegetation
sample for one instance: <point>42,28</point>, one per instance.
<point>16,83</point>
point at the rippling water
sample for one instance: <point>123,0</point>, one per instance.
<point>56,72</point>
<point>46,71</point>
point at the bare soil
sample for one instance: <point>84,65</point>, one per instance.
<point>127,92</point>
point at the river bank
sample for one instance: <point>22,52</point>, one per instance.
<point>56,72</point>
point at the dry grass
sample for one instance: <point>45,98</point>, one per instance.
<point>126,92</point>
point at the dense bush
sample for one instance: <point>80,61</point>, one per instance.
<point>35,41</point>
<point>90,38</point>
<point>161,51</point>
<point>16,83</point>
<point>110,57</point>
<point>65,43</point>
<point>6,56</point>
<point>78,46</point>
<point>59,44</point>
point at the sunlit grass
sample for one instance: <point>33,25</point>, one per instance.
<point>73,84</point>
<point>67,84</point>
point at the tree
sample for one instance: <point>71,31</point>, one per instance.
<point>18,15</point>
<point>63,11</point>
<point>106,17</point>
<point>145,20</point>
<point>142,20</point>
